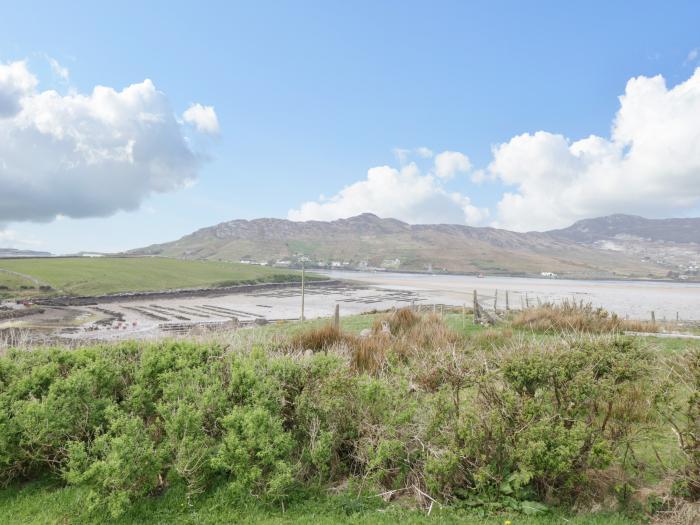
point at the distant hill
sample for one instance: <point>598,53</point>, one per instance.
<point>369,241</point>
<point>614,226</point>
<point>12,252</point>
<point>673,244</point>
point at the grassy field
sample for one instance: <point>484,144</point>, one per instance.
<point>106,275</point>
<point>506,424</point>
<point>43,503</point>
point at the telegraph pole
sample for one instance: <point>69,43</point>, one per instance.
<point>302,289</point>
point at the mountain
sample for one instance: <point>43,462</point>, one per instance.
<point>369,241</point>
<point>670,243</point>
<point>13,252</point>
<point>615,226</point>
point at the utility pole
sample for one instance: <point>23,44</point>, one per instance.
<point>302,289</point>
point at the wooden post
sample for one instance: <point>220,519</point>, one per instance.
<point>653,317</point>
<point>495,302</point>
<point>677,317</point>
<point>527,301</point>
<point>507,305</point>
<point>464,315</point>
<point>302,290</point>
<point>336,317</point>
<point>476,309</point>
<point>442,310</point>
<point>413,305</point>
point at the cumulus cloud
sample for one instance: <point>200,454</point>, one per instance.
<point>85,155</point>
<point>405,194</point>
<point>650,165</point>
<point>203,118</point>
<point>449,163</point>
<point>15,82</point>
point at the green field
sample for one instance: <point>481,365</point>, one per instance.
<point>107,275</point>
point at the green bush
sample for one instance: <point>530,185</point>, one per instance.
<point>508,425</point>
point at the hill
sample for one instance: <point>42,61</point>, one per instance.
<point>615,226</point>
<point>108,275</point>
<point>369,241</point>
<point>13,252</point>
<point>670,243</point>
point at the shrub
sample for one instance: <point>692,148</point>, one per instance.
<point>546,415</point>
<point>684,417</point>
<point>255,453</point>
<point>120,465</point>
<point>578,317</point>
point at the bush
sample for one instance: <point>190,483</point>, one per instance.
<point>685,421</point>
<point>120,465</point>
<point>578,317</point>
<point>492,420</point>
<point>255,453</point>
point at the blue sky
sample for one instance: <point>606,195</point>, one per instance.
<point>309,96</point>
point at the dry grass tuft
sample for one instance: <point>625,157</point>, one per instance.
<point>400,321</point>
<point>577,317</point>
<point>368,354</point>
<point>318,339</point>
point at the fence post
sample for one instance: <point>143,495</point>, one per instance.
<point>476,309</point>
<point>653,317</point>
<point>495,302</point>
<point>507,305</point>
<point>336,317</point>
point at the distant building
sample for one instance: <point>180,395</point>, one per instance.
<point>391,263</point>
<point>550,275</point>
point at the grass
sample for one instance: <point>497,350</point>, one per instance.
<point>48,504</point>
<point>108,275</point>
<point>577,317</point>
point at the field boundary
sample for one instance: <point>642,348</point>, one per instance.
<point>189,292</point>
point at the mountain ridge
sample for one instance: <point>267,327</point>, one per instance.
<point>367,241</point>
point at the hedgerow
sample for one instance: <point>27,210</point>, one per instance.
<point>518,423</point>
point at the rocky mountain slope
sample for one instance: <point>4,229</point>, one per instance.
<point>673,244</point>
<point>369,241</point>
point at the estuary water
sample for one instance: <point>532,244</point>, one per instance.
<point>635,299</point>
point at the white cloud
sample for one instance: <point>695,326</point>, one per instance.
<point>402,155</point>
<point>692,55</point>
<point>58,70</point>
<point>203,118</point>
<point>16,82</point>
<point>85,155</point>
<point>405,194</point>
<point>650,165</point>
<point>449,163</point>
<point>424,152</point>
<point>11,239</point>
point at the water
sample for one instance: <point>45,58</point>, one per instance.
<point>636,299</point>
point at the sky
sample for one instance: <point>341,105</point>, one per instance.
<point>131,123</point>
